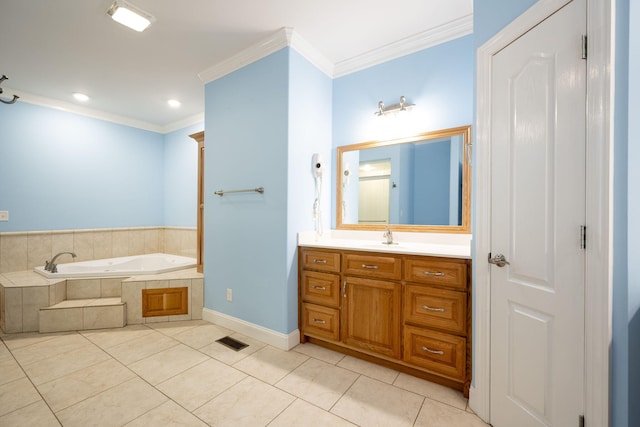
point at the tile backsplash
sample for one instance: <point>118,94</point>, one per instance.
<point>25,250</point>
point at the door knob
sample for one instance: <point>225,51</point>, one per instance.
<point>499,260</point>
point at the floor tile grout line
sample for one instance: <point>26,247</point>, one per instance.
<point>32,385</point>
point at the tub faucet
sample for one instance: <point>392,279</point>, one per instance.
<point>388,235</point>
<point>52,266</point>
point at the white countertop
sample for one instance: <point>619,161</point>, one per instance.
<point>432,244</point>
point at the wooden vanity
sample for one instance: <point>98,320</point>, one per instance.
<point>411,313</point>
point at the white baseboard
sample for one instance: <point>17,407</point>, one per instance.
<point>276,339</point>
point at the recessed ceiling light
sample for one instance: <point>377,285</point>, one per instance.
<point>129,15</point>
<point>174,103</point>
<point>80,97</point>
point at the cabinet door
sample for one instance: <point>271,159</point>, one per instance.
<point>371,318</point>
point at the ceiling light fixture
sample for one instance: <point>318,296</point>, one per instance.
<point>80,97</point>
<point>174,103</point>
<point>129,15</point>
<point>401,106</point>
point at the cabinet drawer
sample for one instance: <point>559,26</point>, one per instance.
<point>322,322</point>
<point>321,260</point>
<point>387,267</point>
<point>437,272</point>
<point>321,288</point>
<point>435,351</point>
<point>437,308</point>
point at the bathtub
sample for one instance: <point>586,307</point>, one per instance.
<point>122,267</point>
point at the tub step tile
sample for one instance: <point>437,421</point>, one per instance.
<point>83,314</point>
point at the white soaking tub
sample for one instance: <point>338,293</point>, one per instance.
<point>122,267</point>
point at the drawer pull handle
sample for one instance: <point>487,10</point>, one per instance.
<point>433,273</point>
<point>320,288</point>
<point>320,261</point>
<point>440,352</point>
<point>322,322</point>
<point>373,267</point>
<point>426,307</point>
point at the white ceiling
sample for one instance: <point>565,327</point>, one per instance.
<point>51,48</point>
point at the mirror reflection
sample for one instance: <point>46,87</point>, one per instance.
<point>419,183</point>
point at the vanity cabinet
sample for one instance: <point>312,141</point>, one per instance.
<point>411,313</point>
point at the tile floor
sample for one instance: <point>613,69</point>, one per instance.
<point>175,374</point>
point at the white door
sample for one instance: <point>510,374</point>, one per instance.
<point>537,210</point>
<point>373,200</point>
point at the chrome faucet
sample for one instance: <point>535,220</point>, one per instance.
<point>388,235</point>
<point>52,266</point>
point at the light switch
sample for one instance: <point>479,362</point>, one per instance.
<point>4,215</point>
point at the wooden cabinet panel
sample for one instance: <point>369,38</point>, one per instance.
<point>320,260</point>
<point>322,322</point>
<point>165,301</point>
<point>379,266</point>
<point>435,351</point>
<point>320,288</point>
<point>437,271</point>
<point>371,315</point>
<point>436,308</point>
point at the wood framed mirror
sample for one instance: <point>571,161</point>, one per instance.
<point>420,183</point>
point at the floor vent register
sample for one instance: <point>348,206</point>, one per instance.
<point>232,343</point>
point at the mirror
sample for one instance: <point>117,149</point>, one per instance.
<point>420,183</point>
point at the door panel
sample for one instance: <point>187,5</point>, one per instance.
<point>538,208</point>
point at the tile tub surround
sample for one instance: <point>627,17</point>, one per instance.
<point>23,294</point>
<point>189,278</point>
<point>21,251</point>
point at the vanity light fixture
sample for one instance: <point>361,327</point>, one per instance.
<point>130,16</point>
<point>401,106</point>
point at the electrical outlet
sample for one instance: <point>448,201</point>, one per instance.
<point>229,294</point>
<point>4,215</point>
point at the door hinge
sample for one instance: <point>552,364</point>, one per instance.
<point>584,46</point>
<point>581,421</point>
<point>583,237</point>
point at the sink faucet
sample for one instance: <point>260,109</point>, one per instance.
<point>52,266</point>
<point>388,235</point>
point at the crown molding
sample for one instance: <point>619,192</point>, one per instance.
<point>264,47</point>
<point>181,124</point>
<point>69,107</point>
<point>311,54</point>
<point>432,37</point>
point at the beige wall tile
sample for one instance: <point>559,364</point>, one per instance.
<point>83,288</point>
<point>1,306</point>
<point>13,310</point>
<point>83,245</point>
<point>197,298</point>
<point>33,298</point>
<point>39,247</point>
<point>151,241</point>
<point>157,284</point>
<point>61,242</point>
<point>14,252</point>
<point>120,243</point>
<point>136,242</point>
<point>102,244</point>
<point>64,319</point>
<point>111,287</point>
<point>61,291</point>
<point>103,317</point>
<point>132,296</point>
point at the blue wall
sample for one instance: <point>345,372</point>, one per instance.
<point>60,171</point>
<point>633,157</point>
<point>439,80</point>
<point>181,177</point>
<point>278,118</point>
